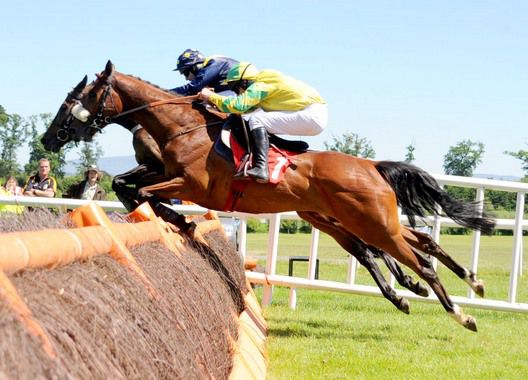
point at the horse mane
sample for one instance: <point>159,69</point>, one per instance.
<point>153,85</point>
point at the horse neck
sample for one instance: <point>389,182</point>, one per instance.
<point>161,122</point>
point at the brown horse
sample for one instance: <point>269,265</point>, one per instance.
<point>354,200</point>
<point>151,166</point>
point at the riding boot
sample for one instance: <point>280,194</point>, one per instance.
<point>260,155</point>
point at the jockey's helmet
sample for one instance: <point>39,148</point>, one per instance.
<point>187,60</point>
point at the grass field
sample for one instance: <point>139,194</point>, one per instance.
<point>342,336</point>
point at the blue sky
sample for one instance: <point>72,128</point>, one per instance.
<point>432,73</point>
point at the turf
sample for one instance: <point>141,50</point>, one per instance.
<point>341,336</point>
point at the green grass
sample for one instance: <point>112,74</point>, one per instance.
<point>342,336</point>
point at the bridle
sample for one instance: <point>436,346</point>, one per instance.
<point>98,122</point>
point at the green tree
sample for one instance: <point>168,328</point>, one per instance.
<point>289,226</point>
<point>89,154</point>
<point>37,151</point>
<point>353,144</point>
<point>409,156</point>
<point>13,133</point>
<point>523,156</point>
<point>463,158</point>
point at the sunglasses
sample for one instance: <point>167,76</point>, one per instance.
<point>186,71</point>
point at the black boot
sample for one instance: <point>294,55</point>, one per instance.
<point>260,155</point>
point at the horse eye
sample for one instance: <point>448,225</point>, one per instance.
<point>92,94</point>
<point>63,107</point>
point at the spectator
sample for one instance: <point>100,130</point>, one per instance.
<point>41,184</point>
<point>88,188</point>
<point>11,186</point>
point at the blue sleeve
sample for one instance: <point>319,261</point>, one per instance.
<point>207,76</point>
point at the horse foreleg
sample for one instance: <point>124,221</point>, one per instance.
<point>130,177</point>
<point>358,249</point>
<point>426,244</point>
<point>164,189</point>
<point>156,193</point>
<point>127,196</point>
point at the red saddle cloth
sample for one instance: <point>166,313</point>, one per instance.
<point>278,162</point>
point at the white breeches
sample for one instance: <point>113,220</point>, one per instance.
<point>309,121</point>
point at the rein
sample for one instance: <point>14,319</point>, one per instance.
<point>179,100</point>
<point>175,100</point>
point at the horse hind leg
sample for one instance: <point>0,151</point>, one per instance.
<point>453,309</point>
<point>358,249</point>
<point>367,260</point>
<point>426,244</point>
<point>423,267</point>
<point>403,279</point>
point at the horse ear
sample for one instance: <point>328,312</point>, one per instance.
<point>109,69</point>
<point>81,85</point>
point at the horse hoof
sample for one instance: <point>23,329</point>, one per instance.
<point>479,288</point>
<point>470,323</point>
<point>143,194</point>
<point>421,290</point>
<point>404,306</point>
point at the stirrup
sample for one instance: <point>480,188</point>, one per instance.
<point>241,174</point>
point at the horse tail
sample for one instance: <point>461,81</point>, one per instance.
<point>418,193</point>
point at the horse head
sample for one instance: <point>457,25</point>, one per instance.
<point>83,113</point>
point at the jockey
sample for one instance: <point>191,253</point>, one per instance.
<point>270,102</point>
<point>201,71</point>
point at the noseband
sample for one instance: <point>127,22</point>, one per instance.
<point>98,122</point>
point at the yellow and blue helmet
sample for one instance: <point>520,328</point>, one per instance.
<point>188,59</point>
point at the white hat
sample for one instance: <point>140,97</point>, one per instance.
<point>92,168</point>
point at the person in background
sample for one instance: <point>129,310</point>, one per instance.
<point>41,184</point>
<point>11,186</point>
<point>202,72</point>
<point>88,188</point>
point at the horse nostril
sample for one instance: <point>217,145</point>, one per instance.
<point>63,135</point>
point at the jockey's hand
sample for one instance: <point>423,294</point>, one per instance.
<point>205,94</point>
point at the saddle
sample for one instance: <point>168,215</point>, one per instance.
<point>234,145</point>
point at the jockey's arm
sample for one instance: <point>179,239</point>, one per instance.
<point>242,103</point>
